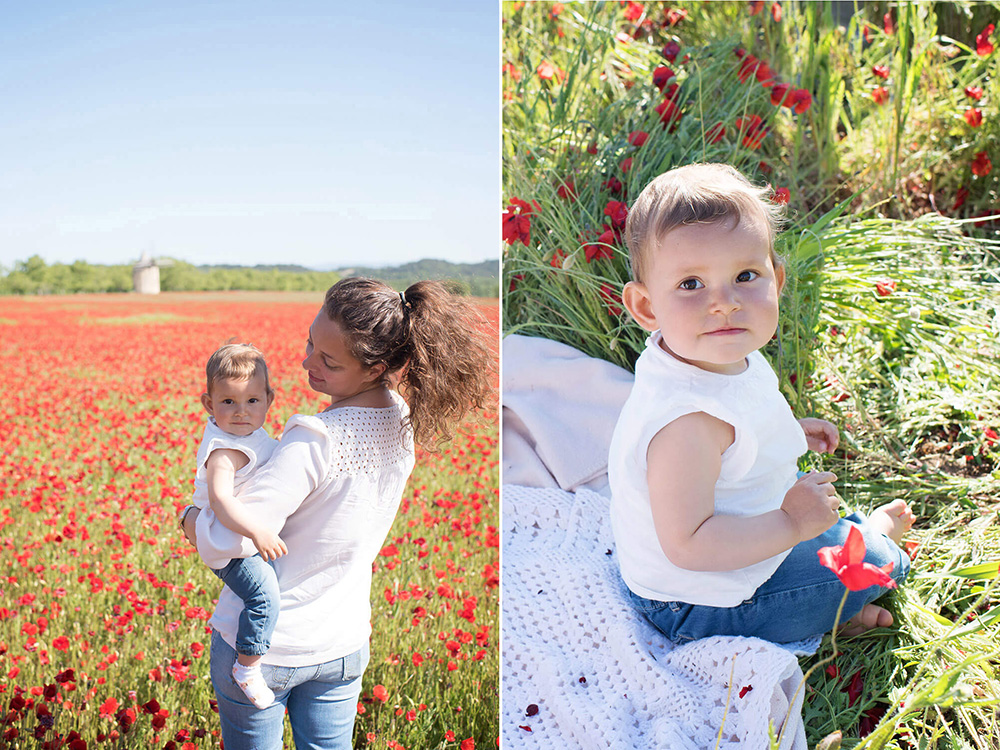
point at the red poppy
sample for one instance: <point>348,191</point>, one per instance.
<point>380,693</point>
<point>108,707</point>
<point>626,164</point>
<point>866,34</point>
<point>637,137</point>
<point>960,196</point>
<point>776,12</point>
<point>612,299</point>
<point>715,133</point>
<point>974,117</point>
<point>983,45</point>
<point>670,51</point>
<point>981,164</point>
<point>801,101</point>
<point>617,212</point>
<point>974,92</point>
<point>781,196</point>
<point>848,564</point>
<point>467,744</point>
<point>547,71</point>
<point>888,25</point>
<point>748,66</point>
<point>509,69</point>
<point>513,281</point>
<point>556,9</point>
<point>669,113</point>
<point>756,6</point>
<point>882,71</point>
<point>781,94</point>
<point>674,16</point>
<point>558,256</point>
<point>880,95</point>
<point>661,75</point>
<point>752,129</point>
<point>517,221</point>
<point>634,11</point>
<point>613,185</point>
<point>567,190</point>
<point>60,643</point>
<point>601,248</point>
<point>854,688</point>
<point>764,74</point>
<point>885,288</point>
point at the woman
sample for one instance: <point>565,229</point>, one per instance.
<point>332,489</point>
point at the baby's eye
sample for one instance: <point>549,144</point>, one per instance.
<point>227,401</point>
<point>691,284</point>
<point>747,276</point>
<point>254,400</point>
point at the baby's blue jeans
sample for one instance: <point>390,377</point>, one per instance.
<point>255,582</point>
<point>799,601</point>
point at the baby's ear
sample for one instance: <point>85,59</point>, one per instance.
<point>206,401</point>
<point>636,299</point>
<point>270,398</point>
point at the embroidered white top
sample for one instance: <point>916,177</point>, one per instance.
<point>757,469</point>
<point>331,490</point>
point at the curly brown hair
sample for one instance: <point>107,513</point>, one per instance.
<point>435,340</point>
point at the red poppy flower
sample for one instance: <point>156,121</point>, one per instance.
<point>517,221</point>
<point>882,71</point>
<point>567,190</point>
<point>888,25</point>
<point>866,35</point>
<point>981,164</point>
<point>509,69</point>
<point>634,11</point>
<point>764,74</point>
<point>756,6</point>
<point>974,117</point>
<point>601,248</point>
<point>752,129</point>
<point>983,45</point>
<point>801,101</point>
<point>467,744</point>
<point>781,94</point>
<point>380,693</point>
<point>781,196</point>
<point>611,299</point>
<point>880,95</point>
<point>637,137</point>
<point>848,564</point>
<point>60,643</point>
<point>776,12</point>
<point>547,71</point>
<point>626,164</point>
<point>885,288</point>
<point>613,185</point>
<point>661,76</point>
<point>854,688</point>
<point>674,16</point>
<point>669,113</point>
<point>974,92</point>
<point>715,133</point>
<point>748,66</point>
<point>617,212</point>
<point>108,707</point>
<point>670,51</point>
<point>960,196</point>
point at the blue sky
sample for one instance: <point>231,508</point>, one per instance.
<point>327,134</point>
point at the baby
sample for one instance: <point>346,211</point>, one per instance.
<point>235,443</point>
<point>716,530</point>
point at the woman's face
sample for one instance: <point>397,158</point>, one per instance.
<point>332,368</point>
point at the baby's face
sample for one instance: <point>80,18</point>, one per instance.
<point>239,406</point>
<point>714,292</point>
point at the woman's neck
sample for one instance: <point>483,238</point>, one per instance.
<point>376,397</point>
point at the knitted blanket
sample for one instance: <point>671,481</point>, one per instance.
<point>583,670</point>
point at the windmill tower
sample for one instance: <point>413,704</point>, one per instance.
<point>146,276</point>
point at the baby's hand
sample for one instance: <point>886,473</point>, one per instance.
<point>269,545</point>
<point>821,436</point>
<point>812,504</point>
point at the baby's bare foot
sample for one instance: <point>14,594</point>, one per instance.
<point>870,616</point>
<point>893,519</point>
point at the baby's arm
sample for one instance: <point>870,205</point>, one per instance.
<point>684,460</point>
<point>220,473</point>
<point>822,436</point>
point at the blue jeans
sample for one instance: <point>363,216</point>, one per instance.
<point>255,582</point>
<point>322,701</point>
<point>799,601</point>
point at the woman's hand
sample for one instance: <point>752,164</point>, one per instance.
<point>821,436</point>
<point>190,518</point>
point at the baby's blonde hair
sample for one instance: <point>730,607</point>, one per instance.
<point>693,194</point>
<point>233,361</point>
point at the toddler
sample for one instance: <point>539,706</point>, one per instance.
<point>235,443</point>
<point>716,530</point>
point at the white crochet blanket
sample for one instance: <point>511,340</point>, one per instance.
<point>599,674</point>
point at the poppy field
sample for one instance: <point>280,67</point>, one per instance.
<point>876,128</point>
<point>104,605</point>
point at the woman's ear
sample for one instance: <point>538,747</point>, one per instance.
<point>375,372</point>
<point>637,301</point>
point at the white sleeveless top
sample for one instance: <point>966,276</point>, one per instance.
<point>757,469</point>
<point>257,447</point>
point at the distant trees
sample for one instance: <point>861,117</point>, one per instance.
<point>34,276</point>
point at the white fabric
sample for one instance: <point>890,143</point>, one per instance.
<point>565,617</point>
<point>572,397</point>
<point>757,469</point>
<point>331,490</point>
<point>257,447</point>
<point>564,613</point>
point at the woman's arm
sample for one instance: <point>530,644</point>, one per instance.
<point>271,494</point>
<point>683,464</point>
